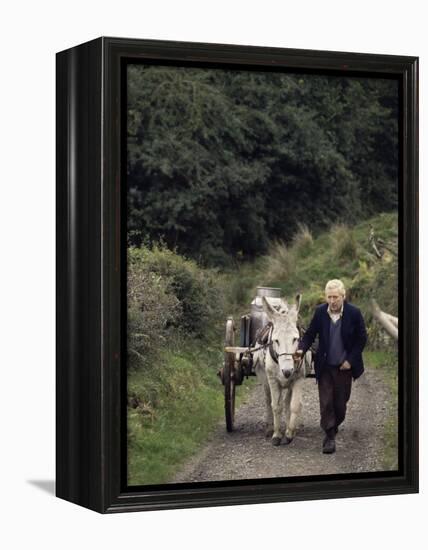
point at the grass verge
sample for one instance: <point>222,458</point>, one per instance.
<point>385,364</point>
<point>172,410</point>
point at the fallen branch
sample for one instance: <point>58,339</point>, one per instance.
<point>394,320</point>
<point>388,322</point>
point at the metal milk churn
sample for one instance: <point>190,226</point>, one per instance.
<point>258,316</point>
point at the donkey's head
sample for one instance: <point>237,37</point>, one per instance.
<point>285,335</point>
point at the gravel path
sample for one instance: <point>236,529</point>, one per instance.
<point>247,454</point>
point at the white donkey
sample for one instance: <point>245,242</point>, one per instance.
<point>282,376</point>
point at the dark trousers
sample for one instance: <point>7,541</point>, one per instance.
<point>334,388</point>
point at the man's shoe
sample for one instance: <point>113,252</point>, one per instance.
<point>329,446</point>
<point>330,434</point>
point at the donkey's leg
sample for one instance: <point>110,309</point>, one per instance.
<point>295,408</point>
<point>277,404</point>
<point>287,400</point>
<point>268,410</point>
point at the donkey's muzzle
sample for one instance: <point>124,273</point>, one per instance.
<point>286,373</point>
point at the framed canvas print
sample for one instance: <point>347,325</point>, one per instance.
<point>237,275</point>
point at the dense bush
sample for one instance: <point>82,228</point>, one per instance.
<point>152,310</point>
<point>185,298</point>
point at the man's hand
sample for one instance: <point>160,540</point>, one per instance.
<point>345,365</point>
<point>298,355</point>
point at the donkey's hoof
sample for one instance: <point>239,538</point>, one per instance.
<point>287,440</point>
<point>276,441</point>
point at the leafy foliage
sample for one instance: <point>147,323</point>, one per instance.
<point>152,310</point>
<point>168,297</point>
<point>220,163</point>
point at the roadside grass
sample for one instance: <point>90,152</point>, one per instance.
<point>173,410</point>
<point>345,253</point>
<point>386,364</point>
<point>306,263</point>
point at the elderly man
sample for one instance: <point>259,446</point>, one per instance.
<point>342,337</point>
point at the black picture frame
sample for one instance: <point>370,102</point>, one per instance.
<point>90,380</point>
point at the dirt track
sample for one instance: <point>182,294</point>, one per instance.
<point>247,454</point>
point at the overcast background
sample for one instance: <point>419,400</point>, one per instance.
<point>30,35</point>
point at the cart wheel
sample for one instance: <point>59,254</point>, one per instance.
<point>229,376</point>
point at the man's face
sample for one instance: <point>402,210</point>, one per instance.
<point>334,299</point>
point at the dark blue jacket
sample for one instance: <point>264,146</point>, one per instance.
<point>354,337</point>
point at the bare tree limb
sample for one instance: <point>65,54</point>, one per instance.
<point>394,320</point>
<point>388,322</point>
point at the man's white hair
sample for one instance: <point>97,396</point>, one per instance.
<point>336,284</point>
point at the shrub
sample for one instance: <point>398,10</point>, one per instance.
<point>195,289</point>
<point>151,312</point>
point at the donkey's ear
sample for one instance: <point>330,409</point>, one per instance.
<point>298,302</point>
<point>268,309</point>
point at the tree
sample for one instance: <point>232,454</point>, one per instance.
<point>220,162</point>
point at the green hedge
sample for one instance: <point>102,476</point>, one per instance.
<point>169,297</point>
